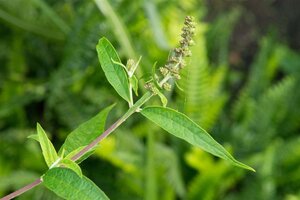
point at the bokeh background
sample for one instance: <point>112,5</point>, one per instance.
<point>241,84</point>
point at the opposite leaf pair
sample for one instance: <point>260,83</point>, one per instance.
<point>50,155</point>
<point>64,176</point>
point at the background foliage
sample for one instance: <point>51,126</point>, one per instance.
<point>241,84</point>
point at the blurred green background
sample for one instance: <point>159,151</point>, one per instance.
<point>241,84</point>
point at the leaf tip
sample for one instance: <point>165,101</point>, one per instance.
<point>244,166</point>
<point>34,137</point>
<point>252,169</point>
<point>102,40</point>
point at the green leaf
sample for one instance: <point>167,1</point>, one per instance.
<point>135,84</point>
<point>83,157</point>
<point>62,153</point>
<point>74,152</point>
<point>86,132</point>
<point>154,76</point>
<point>183,127</point>
<point>114,73</point>
<point>162,97</point>
<point>48,149</point>
<point>68,185</point>
<point>71,165</point>
<point>34,137</point>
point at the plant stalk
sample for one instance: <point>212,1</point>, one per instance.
<point>115,125</point>
<point>133,109</point>
<point>22,190</point>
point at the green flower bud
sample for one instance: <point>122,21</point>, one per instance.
<point>130,64</point>
<point>177,76</point>
<point>167,86</point>
<point>164,71</point>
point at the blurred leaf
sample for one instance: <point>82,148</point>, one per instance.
<point>24,15</point>
<point>17,179</point>
<point>181,126</point>
<point>117,25</point>
<point>219,35</point>
<point>48,149</point>
<point>114,73</point>
<point>52,15</point>
<point>167,158</point>
<point>151,181</point>
<point>206,184</point>
<point>67,184</point>
<point>122,153</point>
<point>155,22</point>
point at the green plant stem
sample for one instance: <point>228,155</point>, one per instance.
<point>130,94</point>
<point>165,79</point>
<point>133,109</point>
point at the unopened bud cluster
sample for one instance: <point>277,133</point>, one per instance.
<point>130,64</point>
<point>176,62</point>
<point>150,86</point>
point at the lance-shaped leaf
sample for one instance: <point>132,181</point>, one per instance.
<point>48,149</point>
<point>83,157</point>
<point>68,185</point>
<point>114,73</point>
<point>86,132</point>
<point>183,127</point>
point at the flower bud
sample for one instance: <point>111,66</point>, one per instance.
<point>167,86</point>
<point>164,71</point>
<point>177,76</point>
<point>130,64</point>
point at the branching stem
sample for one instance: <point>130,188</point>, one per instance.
<point>165,79</point>
<point>133,109</point>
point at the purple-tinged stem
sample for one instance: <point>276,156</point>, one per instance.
<point>22,190</point>
<point>115,125</point>
<point>97,140</point>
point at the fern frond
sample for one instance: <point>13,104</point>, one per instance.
<point>218,37</point>
<point>202,96</point>
<point>264,115</point>
<point>206,184</point>
<point>262,72</point>
<point>168,160</point>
